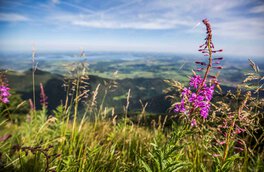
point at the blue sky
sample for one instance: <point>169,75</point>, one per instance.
<point>132,25</point>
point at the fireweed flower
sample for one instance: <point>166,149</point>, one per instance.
<point>186,91</point>
<point>31,104</point>
<point>193,123</point>
<point>207,92</point>
<point>180,107</point>
<point>196,98</point>
<point>43,97</point>
<point>4,93</point>
<point>195,81</point>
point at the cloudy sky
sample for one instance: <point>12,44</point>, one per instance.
<point>132,25</point>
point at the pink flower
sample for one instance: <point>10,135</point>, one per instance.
<point>32,107</point>
<point>186,91</point>
<point>5,100</point>
<point>193,123</point>
<point>180,107</point>
<point>239,130</point>
<point>4,94</point>
<point>195,81</point>
<point>43,97</point>
<point>199,69</point>
<point>238,149</point>
<point>200,100</point>
<point>218,67</point>
<point>216,155</point>
<point>207,92</point>
<point>222,142</point>
<point>197,97</point>
<point>205,110</point>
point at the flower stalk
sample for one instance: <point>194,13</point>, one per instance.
<point>43,97</point>
<point>199,94</point>
<point>34,67</point>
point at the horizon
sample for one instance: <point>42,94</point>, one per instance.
<point>92,53</point>
<point>139,26</point>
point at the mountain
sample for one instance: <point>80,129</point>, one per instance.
<point>148,90</point>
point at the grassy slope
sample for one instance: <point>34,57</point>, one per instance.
<point>110,146</point>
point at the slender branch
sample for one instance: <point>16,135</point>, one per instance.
<point>33,80</point>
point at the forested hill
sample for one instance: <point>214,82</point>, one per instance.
<point>148,90</point>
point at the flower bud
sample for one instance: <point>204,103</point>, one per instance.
<point>218,67</point>
<point>218,58</point>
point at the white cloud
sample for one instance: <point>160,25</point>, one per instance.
<point>55,1</point>
<point>243,29</point>
<point>147,25</point>
<point>170,14</point>
<point>12,17</point>
<point>257,9</point>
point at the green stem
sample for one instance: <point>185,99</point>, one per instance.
<point>76,106</point>
<point>33,88</point>
<point>240,109</point>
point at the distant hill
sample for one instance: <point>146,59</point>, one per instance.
<point>145,89</point>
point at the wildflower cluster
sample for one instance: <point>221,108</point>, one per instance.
<point>4,94</point>
<point>4,91</point>
<point>197,97</point>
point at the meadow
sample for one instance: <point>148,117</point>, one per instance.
<point>83,122</point>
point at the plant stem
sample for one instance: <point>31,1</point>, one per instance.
<point>33,81</point>
<point>76,106</point>
<point>208,66</point>
<point>67,97</point>
<point>240,109</point>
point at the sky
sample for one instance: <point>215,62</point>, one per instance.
<point>172,26</point>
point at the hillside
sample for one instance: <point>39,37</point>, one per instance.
<point>148,90</point>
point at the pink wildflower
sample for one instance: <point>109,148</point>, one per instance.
<point>180,107</point>
<point>197,97</point>
<point>31,104</point>
<point>193,123</point>
<point>200,100</point>
<point>4,94</point>
<point>43,97</point>
<point>195,81</point>
<point>186,91</point>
